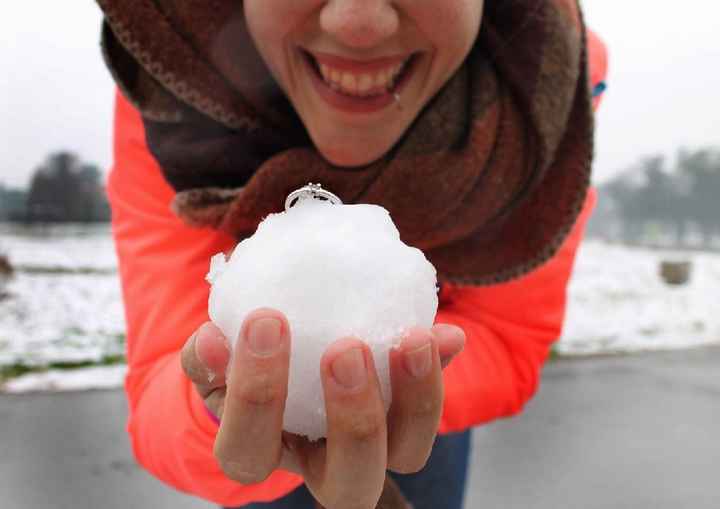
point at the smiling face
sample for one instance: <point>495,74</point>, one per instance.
<point>358,72</point>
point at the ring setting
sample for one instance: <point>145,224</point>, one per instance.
<point>311,192</point>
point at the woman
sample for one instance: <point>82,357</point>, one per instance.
<point>470,123</point>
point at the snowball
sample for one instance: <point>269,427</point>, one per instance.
<point>334,271</point>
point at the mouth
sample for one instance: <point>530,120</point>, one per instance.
<point>359,87</point>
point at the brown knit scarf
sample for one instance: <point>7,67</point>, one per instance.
<point>488,180</point>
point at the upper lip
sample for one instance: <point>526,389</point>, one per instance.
<point>357,66</point>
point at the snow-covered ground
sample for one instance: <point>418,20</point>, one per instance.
<point>52,313</point>
<point>64,304</point>
<point>67,246</point>
<point>60,318</point>
<point>618,303</point>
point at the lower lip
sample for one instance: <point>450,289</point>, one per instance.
<point>351,104</point>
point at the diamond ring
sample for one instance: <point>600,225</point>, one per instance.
<point>311,192</point>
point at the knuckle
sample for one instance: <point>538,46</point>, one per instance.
<point>245,469</point>
<point>418,407</point>
<point>261,390</point>
<point>426,408</point>
<point>242,473</point>
<point>408,466</point>
<point>363,427</point>
<point>352,500</point>
<point>411,462</point>
<point>410,454</point>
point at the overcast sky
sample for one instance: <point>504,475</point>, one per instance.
<point>663,85</point>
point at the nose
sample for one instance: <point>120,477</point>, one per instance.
<point>359,23</point>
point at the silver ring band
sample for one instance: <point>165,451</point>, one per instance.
<point>311,192</point>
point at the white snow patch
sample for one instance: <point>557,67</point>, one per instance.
<point>100,377</point>
<point>67,246</point>
<point>61,318</point>
<point>51,317</point>
<point>618,302</point>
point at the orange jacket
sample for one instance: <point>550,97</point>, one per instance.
<point>162,263</point>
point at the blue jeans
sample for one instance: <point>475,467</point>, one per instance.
<point>440,484</point>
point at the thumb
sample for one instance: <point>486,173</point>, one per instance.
<point>206,358</point>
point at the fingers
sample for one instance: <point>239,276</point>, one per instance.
<point>204,358</point>
<point>355,456</point>
<point>292,446</point>
<point>450,340</point>
<point>414,416</point>
<point>248,444</point>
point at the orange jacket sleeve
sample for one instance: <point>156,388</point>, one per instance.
<point>162,265</point>
<point>510,329</point>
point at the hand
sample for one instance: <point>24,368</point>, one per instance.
<point>348,468</point>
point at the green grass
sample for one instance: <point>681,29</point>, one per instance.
<point>56,270</point>
<point>18,369</point>
<point>554,354</point>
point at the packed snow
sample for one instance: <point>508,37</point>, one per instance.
<point>327,290</point>
<point>617,302</point>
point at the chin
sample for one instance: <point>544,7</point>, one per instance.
<point>356,155</point>
<point>348,161</point>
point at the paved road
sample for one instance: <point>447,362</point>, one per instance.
<point>624,432</point>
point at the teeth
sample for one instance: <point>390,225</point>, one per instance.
<point>381,81</point>
<point>325,71</point>
<point>349,83</point>
<point>362,85</point>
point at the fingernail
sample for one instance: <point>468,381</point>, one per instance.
<point>264,336</point>
<point>198,338</point>
<point>418,357</point>
<point>203,335</point>
<point>349,369</point>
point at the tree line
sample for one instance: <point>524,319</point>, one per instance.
<point>62,189</point>
<point>652,201</point>
<point>660,202</point>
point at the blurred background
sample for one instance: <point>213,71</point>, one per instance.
<point>629,407</point>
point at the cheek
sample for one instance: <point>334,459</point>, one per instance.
<point>451,25</point>
<point>265,31</point>
<point>463,18</point>
<point>272,23</point>
<point>260,23</point>
<point>275,19</point>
